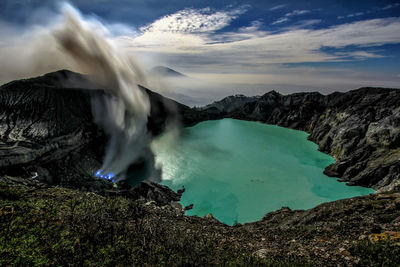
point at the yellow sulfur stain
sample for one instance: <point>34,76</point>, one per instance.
<point>386,236</point>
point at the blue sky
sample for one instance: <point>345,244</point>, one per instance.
<point>253,46</point>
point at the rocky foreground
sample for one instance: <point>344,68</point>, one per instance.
<point>54,212</point>
<point>47,225</point>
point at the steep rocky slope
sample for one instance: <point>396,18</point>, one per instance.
<point>47,138</point>
<point>47,129</point>
<point>360,128</point>
<point>231,103</point>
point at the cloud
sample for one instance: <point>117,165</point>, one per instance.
<point>186,30</point>
<point>301,24</point>
<point>357,14</point>
<point>193,20</point>
<point>300,79</point>
<point>255,56</point>
<point>287,16</point>
<point>280,20</point>
<point>200,43</point>
<point>297,12</point>
<point>277,7</point>
<point>254,26</point>
<point>255,46</point>
<point>358,55</point>
<point>390,6</point>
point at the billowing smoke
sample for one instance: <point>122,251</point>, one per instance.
<point>123,114</point>
<point>84,46</point>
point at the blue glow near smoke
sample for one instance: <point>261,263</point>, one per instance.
<point>109,176</point>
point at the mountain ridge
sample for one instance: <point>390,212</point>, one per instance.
<point>360,128</point>
<point>53,211</point>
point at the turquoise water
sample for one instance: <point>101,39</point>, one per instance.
<point>240,170</point>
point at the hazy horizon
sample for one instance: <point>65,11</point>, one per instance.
<point>195,92</point>
<point>226,48</point>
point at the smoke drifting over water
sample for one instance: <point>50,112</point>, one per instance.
<point>83,45</point>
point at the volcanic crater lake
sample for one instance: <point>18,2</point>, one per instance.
<point>240,170</point>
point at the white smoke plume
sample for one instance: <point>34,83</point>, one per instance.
<point>124,114</point>
<point>84,45</point>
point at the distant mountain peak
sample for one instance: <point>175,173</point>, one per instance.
<point>230,103</point>
<point>165,71</point>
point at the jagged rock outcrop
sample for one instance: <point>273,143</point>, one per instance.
<point>47,128</point>
<point>231,103</point>
<point>146,191</point>
<point>47,137</point>
<point>360,128</point>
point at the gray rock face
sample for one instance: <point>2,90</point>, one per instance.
<point>47,129</point>
<point>360,128</point>
<point>230,103</point>
<point>48,137</point>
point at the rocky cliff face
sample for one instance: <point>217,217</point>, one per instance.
<point>47,136</point>
<point>47,130</point>
<point>231,103</point>
<point>360,128</point>
<point>46,127</point>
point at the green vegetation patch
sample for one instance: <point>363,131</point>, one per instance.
<point>58,226</point>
